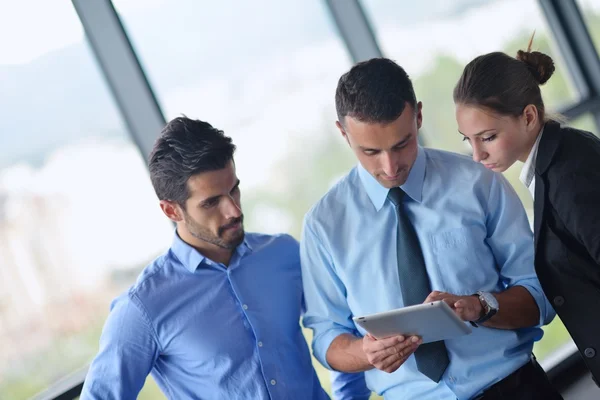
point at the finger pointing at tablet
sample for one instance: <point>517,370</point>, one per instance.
<point>468,308</point>
<point>390,353</point>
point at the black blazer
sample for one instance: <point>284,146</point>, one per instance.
<point>567,233</point>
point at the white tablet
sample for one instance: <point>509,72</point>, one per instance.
<point>431,321</point>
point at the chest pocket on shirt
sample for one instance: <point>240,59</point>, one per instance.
<point>459,265</point>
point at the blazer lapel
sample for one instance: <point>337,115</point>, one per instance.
<point>538,208</point>
<point>549,143</point>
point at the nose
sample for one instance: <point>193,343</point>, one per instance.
<point>232,208</point>
<point>479,154</point>
<point>389,164</point>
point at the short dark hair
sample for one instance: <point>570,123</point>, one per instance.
<point>186,147</point>
<point>374,91</point>
<point>505,84</point>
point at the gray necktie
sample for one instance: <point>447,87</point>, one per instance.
<point>432,358</point>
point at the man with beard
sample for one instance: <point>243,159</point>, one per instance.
<point>216,316</point>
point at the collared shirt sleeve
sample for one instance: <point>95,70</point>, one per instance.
<point>511,241</point>
<point>345,386</point>
<point>327,311</point>
<point>128,351</point>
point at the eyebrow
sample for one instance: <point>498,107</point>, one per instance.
<point>213,198</point>
<point>403,141</point>
<point>479,133</point>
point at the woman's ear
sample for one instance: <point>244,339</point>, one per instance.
<point>531,116</point>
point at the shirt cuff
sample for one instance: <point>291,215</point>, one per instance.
<point>547,313</point>
<point>322,342</point>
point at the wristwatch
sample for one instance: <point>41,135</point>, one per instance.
<point>490,306</point>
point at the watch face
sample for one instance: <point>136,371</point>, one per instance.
<point>490,300</point>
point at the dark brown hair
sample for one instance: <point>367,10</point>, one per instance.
<point>374,91</point>
<point>186,147</point>
<point>505,84</point>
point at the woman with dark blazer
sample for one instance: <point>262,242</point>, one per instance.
<point>500,112</point>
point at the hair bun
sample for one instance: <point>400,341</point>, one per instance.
<point>539,64</point>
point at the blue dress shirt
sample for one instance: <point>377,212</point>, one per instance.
<point>475,236</point>
<point>205,331</point>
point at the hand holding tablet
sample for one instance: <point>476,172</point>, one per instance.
<point>388,354</point>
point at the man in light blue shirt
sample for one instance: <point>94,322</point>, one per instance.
<point>216,316</point>
<point>473,242</point>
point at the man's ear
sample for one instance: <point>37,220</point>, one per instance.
<point>419,111</point>
<point>172,210</point>
<point>342,131</point>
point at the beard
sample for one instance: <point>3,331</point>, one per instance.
<point>225,238</point>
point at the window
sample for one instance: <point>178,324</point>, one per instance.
<point>265,72</point>
<point>73,189</point>
<point>436,39</point>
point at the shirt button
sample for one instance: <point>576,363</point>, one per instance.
<point>589,352</point>
<point>558,301</point>
<point>245,306</point>
<point>259,344</point>
<point>273,382</point>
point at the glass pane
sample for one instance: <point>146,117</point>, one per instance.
<point>265,72</point>
<point>70,179</point>
<point>590,9</point>
<point>585,122</point>
<point>263,76</point>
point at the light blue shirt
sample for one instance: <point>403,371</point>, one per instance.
<point>205,331</point>
<point>474,235</point>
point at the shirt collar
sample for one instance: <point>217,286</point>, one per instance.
<point>413,186</point>
<point>192,258</point>
<point>528,171</point>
